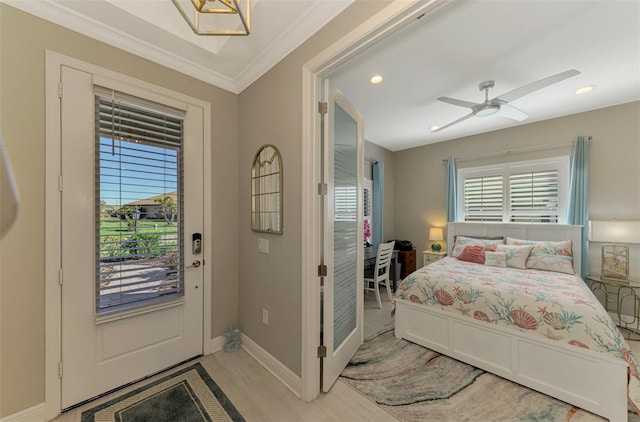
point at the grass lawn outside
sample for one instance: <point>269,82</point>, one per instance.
<point>114,226</point>
<point>137,264</point>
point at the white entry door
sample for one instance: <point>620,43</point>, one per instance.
<point>131,216</point>
<point>343,297</point>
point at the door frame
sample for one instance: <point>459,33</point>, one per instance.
<point>395,16</point>
<point>53,233</point>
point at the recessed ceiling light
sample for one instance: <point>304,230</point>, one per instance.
<point>585,89</point>
<point>436,127</point>
<point>376,79</point>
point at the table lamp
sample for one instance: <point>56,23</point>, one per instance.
<point>435,234</point>
<point>615,253</point>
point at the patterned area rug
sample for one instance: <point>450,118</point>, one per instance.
<point>188,395</point>
<point>416,384</point>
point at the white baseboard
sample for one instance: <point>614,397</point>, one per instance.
<point>273,365</point>
<point>32,414</point>
<point>215,345</point>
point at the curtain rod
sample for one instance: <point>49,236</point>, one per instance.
<point>509,151</point>
<point>368,160</point>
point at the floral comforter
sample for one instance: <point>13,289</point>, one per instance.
<point>554,305</point>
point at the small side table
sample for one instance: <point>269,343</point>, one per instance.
<point>622,298</point>
<point>429,257</point>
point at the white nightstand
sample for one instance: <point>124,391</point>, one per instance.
<point>429,256</point>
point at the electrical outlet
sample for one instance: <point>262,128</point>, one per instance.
<point>265,317</point>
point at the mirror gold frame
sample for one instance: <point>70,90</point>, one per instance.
<point>266,190</point>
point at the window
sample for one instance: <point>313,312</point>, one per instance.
<point>346,203</point>
<point>138,202</point>
<point>521,192</point>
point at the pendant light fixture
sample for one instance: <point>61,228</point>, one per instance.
<point>216,17</point>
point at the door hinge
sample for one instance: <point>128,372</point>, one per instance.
<point>60,183</point>
<point>60,89</point>
<point>322,351</point>
<point>60,369</point>
<point>322,189</point>
<point>322,108</point>
<point>322,270</point>
<point>60,276</point>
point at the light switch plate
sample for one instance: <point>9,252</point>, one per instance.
<point>263,245</point>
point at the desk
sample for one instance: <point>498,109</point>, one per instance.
<point>370,255</point>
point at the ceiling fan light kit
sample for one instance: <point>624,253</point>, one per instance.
<point>216,17</point>
<point>501,103</point>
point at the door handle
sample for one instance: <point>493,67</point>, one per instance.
<point>195,264</point>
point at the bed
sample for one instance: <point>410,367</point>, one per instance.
<point>539,328</point>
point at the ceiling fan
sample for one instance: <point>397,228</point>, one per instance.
<point>501,103</point>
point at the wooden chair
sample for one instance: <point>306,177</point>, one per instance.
<point>380,274</point>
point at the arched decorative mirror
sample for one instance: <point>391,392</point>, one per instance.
<point>266,191</point>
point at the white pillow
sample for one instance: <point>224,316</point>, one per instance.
<point>516,255</point>
<point>495,259</point>
<point>548,256</point>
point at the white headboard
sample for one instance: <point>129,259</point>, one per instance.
<point>551,232</point>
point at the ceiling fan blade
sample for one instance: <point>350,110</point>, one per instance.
<point>511,112</point>
<point>534,86</point>
<point>461,103</point>
<point>452,123</point>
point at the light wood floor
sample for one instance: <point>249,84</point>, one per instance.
<point>259,396</point>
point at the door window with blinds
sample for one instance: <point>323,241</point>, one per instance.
<point>520,192</point>
<point>139,201</point>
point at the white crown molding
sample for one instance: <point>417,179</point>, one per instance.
<point>60,15</point>
<point>288,41</point>
<point>278,49</point>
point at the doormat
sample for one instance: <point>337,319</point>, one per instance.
<point>188,395</point>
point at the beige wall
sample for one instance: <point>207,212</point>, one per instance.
<point>270,112</point>
<point>420,178</point>
<point>23,40</point>
<point>373,152</point>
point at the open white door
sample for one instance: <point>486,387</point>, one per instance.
<point>131,205</point>
<point>343,297</point>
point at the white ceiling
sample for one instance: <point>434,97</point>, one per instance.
<point>446,53</point>
<point>450,52</point>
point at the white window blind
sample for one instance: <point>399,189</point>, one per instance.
<point>138,201</point>
<point>346,203</point>
<point>484,198</point>
<point>523,192</point>
<point>534,197</point>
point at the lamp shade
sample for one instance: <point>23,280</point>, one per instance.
<point>435,233</point>
<point>614,231</point>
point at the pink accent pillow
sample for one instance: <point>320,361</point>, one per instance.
<point>462,242</point>
<point>472,254</point>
